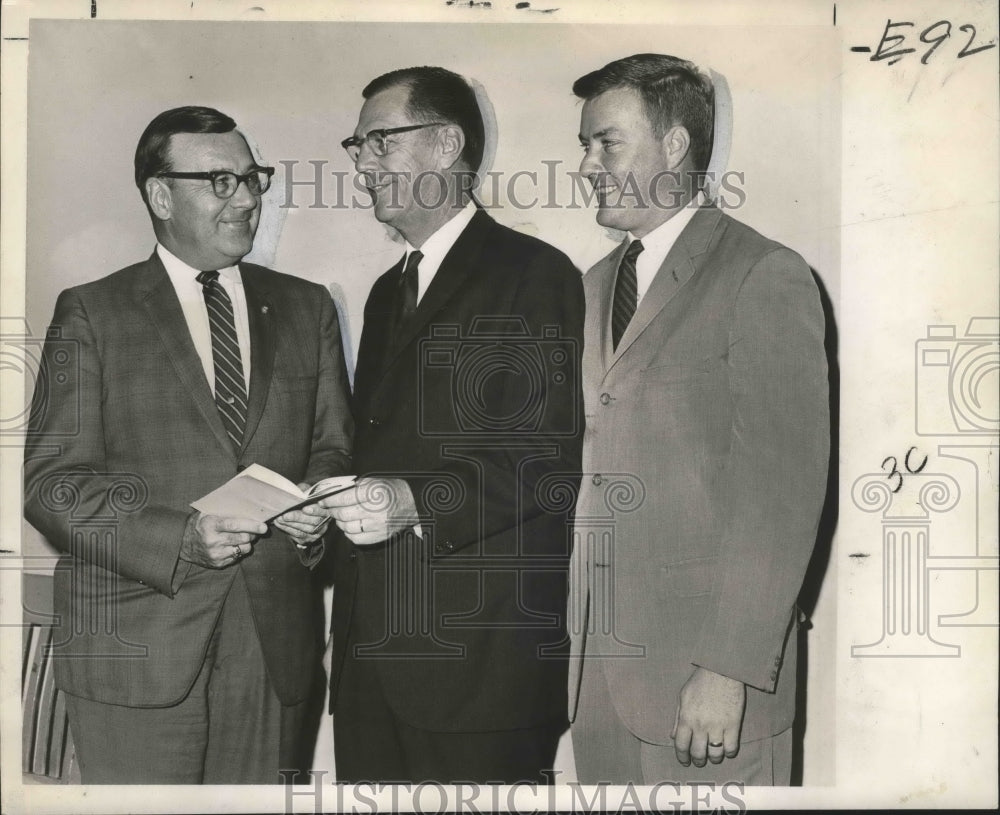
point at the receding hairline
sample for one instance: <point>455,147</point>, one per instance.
<point>236,130</point>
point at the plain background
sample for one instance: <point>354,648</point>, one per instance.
<point>295,88</point>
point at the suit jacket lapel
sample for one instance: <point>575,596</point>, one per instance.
<point>260,313</point>
<point>160,300</point>
<point>678,267</point>
<point>461,259</point>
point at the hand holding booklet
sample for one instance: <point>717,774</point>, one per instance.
<point>262,494</point>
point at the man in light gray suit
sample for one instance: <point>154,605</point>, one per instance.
<point>705,384</point>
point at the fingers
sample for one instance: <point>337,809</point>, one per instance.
<point>350,512</point>
<point>224,541</point>
<point>731,742</point>
<point>221,556</point>
<point>682,744</point>
<point>359,526</point>
<point>299,530</point>
<point>364,531</point>
<point>301,522</point>
<point>338,500</point>
<point>709,716</point>
<point>699,748</point>
<point>238,525</point>
<point>715,748</point>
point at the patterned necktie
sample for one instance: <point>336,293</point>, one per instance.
<point>406,294</point>
<point>626,293</point>
<point>230,387</point>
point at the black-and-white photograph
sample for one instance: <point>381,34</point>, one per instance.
<point>499,406</point>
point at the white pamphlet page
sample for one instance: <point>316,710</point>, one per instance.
<point>262,494</point>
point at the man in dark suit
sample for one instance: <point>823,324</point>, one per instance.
<point>450,587</point>
<point>187,644</point>
<point>705,385</point>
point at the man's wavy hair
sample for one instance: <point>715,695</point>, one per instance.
<point>673,92</point>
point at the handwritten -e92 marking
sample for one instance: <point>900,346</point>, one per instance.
<point>890,46</point>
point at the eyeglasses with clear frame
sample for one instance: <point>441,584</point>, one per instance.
<point>225,183</point>
<point>376,139</point>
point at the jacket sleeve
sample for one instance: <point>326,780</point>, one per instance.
<point>333,425</point>
<point>66,474</point>
<point>775,478</point>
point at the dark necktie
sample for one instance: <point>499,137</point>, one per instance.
<point>626,293</point>
<point>230,388</point>
<point>406,294</point>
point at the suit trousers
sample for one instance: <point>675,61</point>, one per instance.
<point>606,751</point>
<point>231,728</point>
<point>373,744</point>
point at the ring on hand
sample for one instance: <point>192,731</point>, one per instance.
<point>715,744</point>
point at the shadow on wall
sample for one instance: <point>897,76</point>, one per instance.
<point>816,571</point>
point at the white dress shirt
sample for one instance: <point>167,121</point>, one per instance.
<point>189,292</point>
<point>437,246</point>
<point>658,243</point>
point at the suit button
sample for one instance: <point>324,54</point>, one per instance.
<point>353,556</point>
<point>374,421</point>
<point>774,676</point>
<point>597,480</point>
<point>605,398</point>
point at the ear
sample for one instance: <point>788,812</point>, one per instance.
<point>158,193</point>
<point>676,145</point>
<point>452,142</point>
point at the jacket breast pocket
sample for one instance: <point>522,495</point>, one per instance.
<point>292,383</point>
<point>674,374</point>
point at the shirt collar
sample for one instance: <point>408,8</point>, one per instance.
<point>181,272</point>
<point>656,244</point>
<point>439,244</point>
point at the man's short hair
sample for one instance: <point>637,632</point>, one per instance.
<point>673,92</point>
<point>152,155</point>
<point>439,95</point>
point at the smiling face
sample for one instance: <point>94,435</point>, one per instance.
<point>205,231</point>
<point>634,172</point>
<point>406,183</point>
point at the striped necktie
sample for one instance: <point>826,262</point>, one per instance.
<point>626,293</point>
<point>230,390</point>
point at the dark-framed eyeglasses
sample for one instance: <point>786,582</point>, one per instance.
<point>376,139</point>
<point>225,183</point>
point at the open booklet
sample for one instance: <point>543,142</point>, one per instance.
<point>262,494</point>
